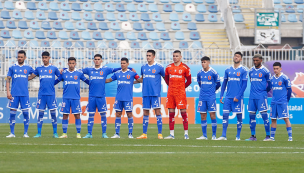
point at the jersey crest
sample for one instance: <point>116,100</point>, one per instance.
<point>75,77</point>
<point>25,71</point>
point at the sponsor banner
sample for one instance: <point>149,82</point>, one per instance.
<point>267,36</point>
<point>295,108</point>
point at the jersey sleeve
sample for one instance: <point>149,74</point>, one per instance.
<point>36,72</point>
<point>188,72</point>
<point>162,71</point>
<point>198,79</point>
<point>136,76</point>
<point>141,70</point>
<point>60,78</point>
<point>268,75</point>
<point>31,70</point>
<point>167,71</point>
<point>287,83</point>
<point>245,75</point>
<point>113,77</point>
<point>85,71</point>
<point>82,77</point>
<point>226,74</point>
<point>10,71</point>
<point>216,77</point>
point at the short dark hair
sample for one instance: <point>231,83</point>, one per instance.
<point>45,53</point>
<point>72,59</point>
<point>22,52</point>
<point>124,59</point>
<point>177,51</point>
<point>277,64</point>
<point>151,51</point>
<point>98,55</point>
<point>258,56</point>
<point>205,58</point>
<point>239,53</point>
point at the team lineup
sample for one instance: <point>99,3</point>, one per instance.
<point>176,75</point>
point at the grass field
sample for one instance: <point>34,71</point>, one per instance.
<point>151,155</point>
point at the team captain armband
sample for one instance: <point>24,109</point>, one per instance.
<point>136,76</point>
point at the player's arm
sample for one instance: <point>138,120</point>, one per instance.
<point>8,93</point>
<point>268,77</point>
<point>61,71</point>
<point>243,87</point>
<point>32,76</point>
<point>167,77</point>
<point>289,90</point>
<point>217,80</point>
<point>188,77</point>
<point>139,80</point>
<point>58,80</point>
<point>116,69</point>
<point>84,79</point>
<point>224,86</point>
<point>198,80</point>
<point>112,78</point>
<point>136,76</point>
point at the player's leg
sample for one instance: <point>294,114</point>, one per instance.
<point>159,121</point>
<point>185,122</point>
<point>41,105</point>
<point>252,108</point>
<point>238,109</point>
<point>118,108</point>
<point>25,106</point>
<point>171,108</point>
<point>273,116</point>
<point>202,109</point>
<point>78,124</point>
<point>263,107</point>
<point>91,107</point>
<point>130,123</point>
<point>181,103</point>
<point>226,112</point>
<point>13,106</point>
<point>65,109</point>
<point>102,109</point>
<point>52,106</point>
<point>146,108</point>
<point>76,110</point>
<point>212,110</point>
<point>288,128</point>
<point>283,113</point>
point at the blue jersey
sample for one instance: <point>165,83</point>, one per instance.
<point>97,80</point>
<point>124,84</point>
<point>279,87</point>
<point>71,85</point>
<point>152,75</point>
<point>259,78</point>
<point>235,78</point>
<point>19,75</point>
<point>208,81</point>
<point>47,78</point>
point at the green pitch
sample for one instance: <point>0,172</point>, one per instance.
<point>151,155</point>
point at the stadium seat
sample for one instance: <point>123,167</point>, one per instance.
<point>21,25</point>
<point>42,6</point>
<point>97,35</point>
<point>137,55</point>
<point>63,35</point>
<point>145,17</point>
<point>90,54</point>
<point>74,35</point>
<point>167,8</point>
<point>142,36</point>
<point>1,6</point>
<point>17,15</point>
<point>125,54</point>
<point>198,1</point>
<point>190,8</point>
<point>236,9</point>
<point>86,35</point>
<point>69,25</point>
<point>179,8</point>
<point>187,17</point>
<point>99,17</point>
<point>51,35</point>
<point>76,7</point>
<point>80,26</point>
<point>160,26</point>
<point>139,1</point>
<point>173,17</point>
<point>87,16</point>
<point>142,7</point>
<point>135,45</point>
<point>187,1</point>
<point>137,27</point>
<point>34,25</point>
<point>153,8</point>
<point>54,54</point>
<point>194,36</point>
<point>164,1</point>
<point>9,5</point>
<point>149,26</point>
<point>299,1</point>
<point>111,17</point>
<point>112,45</point>
<point>28,34</point>
<point>278,7</point>
<point>102,45</point>
<point>150,1</point>
<point>92,26</point>
<point>54,6</point>
<point>175,1</point>
<point>131,7</point>
<point>277,1</point>
<point>119,36</point>
<point>165,36</point>
<point>29,15</point>
<point>46,25</point>
<point>211,18</point>
<point>98,7</point>
<point>65,6</point>
<point>34,44</point>
<point>191,26</point>
<point>19,5</point>
<point>122,17</point>
<point>187,55</point>
<point>76,16</point>
<point>109,7</point>
<point>40,15</point>
<point>209,1</point>
<point>105,0</point>
<point>283,18</point>
<point>212,9</point>
<point>292,18</point>
<point>103,26</point>
<point>1,25</point>
<point>179,35</point>
<point>64,15</point>
<point>153,36</point>
<point>114,26</point>
<point>78,53</point>
<point>17,34</point>
<point>238,17</point>
<point>108,35</point>
<point>31,6</point>
<point>290,9</point>
<point>5,15</point>
<point>126,26</point>
<point>66,44</point>
<point>45,44</point>
<point>10,43</point>
<point>287,1</point>
<point>133,17</point>
<point>53,16</point>
<point>10,24</point>
<point>30,54</point>
<point>196,45</point>
<point>175,26</point>
<point>87,7</point>
<point>157,45</point>
<point>57,25</point>
<point>131,36</point>
<point>120,8</point>
<point>300,8</point>
<point>183,45</point>
<point>146,45</point>
<point>156,17</point>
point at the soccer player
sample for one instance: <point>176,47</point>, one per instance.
<point>209,81</point>
<point>71,95</point>
<point>236,81</point>
<point>46,94</point>
<point>281,87</point>
<point>124,95</point>
<point>151,74</point>
<point>260,84</point>
<point>175,76</point>
<point>19,73</point>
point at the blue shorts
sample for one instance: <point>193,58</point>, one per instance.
<point>204,106</point>
<point>120,105</point>
<point>49,100</point>
<point>70,104</point>
<point>23,100</point>
<point>260,105</point>
<point>151,102</point>
<point>231,106</point>
<point>97,102</point>
<point>279,111</point>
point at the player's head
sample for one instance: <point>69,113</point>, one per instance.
<point>277,67</point>
<point>72,63</point>
<point>124,62</point>
<point>177,56</point>
<point>150,55</point>
<point>21,56</point>
<point>257,60</point>
<point>97,60</point>
<point>237,57</point>
<point>205,62</point>
<point>45,57</point>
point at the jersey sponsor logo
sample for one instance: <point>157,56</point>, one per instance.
<point>45,77</point>
<point>50,71</point>
<point>20,75</point>
<point>101,72</point>
<point>153,71</point>
<point>260,74</point>
<point>148,76</point>
<point>123,82</point>
<point>176,76</point>
<point>256,79</point>
<point>234,79</point>
<point>238,73</point>
<point>277,88</point>
<point>75,77</point>
<point>96,77</point>
<point>128,76</point>
<point>70,82</point>
<point>280,83</point>
<point>204,82</point>
<point>209,77</point>
<point>25,71</point>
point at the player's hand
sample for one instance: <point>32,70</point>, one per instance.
<point>133,70</point>
<point>9,96</point>
<point>221,100</point>
<point>235,99</point>
<point>61,71</point>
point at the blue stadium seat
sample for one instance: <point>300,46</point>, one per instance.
<point>54,6</point>
<point>292,18</point>
<point>183,45</point>
<point>131,36</point>
<point>105,0</point>
<point>283,18</point>
<point>211,18</point>
<point>46,25</point>
<point>98,7</point>
<point>160,26</point>
<point>167,8</point>
<point>5,15</point>
<point>10,24</point>
<point>131,7</point>
<point>150,1</point>
<point>277,8</point>
<point>34,25</point>
<point>164,1</point>
<point>65,6</point>
<point>31,6</point>
<point>78,53</point>
<point>173,17</point>
<point>108,35</point>
<point>90,54</point>
<point>111,17</point>
<point>135,45</point>
<point>51,35</point>
<point>80,25</point>
<point>194,35</point>
<point>57,25</point>
<point>74,35</point>
<point>109,7</point>
<point>179,8</point>
<point>137,55</point>
<point>149,26</point>
<point>64,15</point>
<point>133,17</point>
<point>66,44</point>
<point>161,55</point>
<point>9,5</point>
<point>87,7</point>
<point>114,26</point>
<point>212,9</point>
<point>153,8</point>
<point>92,26</point>
<point>30,54</point>
<point>1,25</point>
<point>21,25</point>
<point>28,15</point>
<point>97,35</point>
<point>175,1</point>
<point>17,15</point>
<point>137,27</point>
<point>99,17</point>
<point>187,55</point>
<point>103,26</point>
<point>119,36</point>
<point>125,54</point>
<point>45,44</point>
<point>157,45</point>
<point>63,35</point>
<point>187,1</point>
<point>40,15</point>
<point>238,17</point>
<point>54,54</point>
<point>287,1</point>
<point>196,45</point>
<point>42,6</point>
<point>165,36</point>
<point>145,17</point>
<point>120,8</point>
<point>76,16</point>
<point>153,36</point>
<point>17,34</point>
<point>175,26</point>
<point>53,16</point>
<point>69,25</point>
<point>1,6</point>
<point>139,1</point>
<point>146,45</point>
<point>236,9</point>
<point>114,55</point>
<point>122,17</point>
<point>209,1</point>
<point>198,1</point>
<point>290,9</point>
<point>233,1</point>
<point>300,8</point>
<point>142,7</point>
<point>76,7</point>
<point>34,44</point>
<point>156,17</point>
<point>142,36</point>
<point>87,16</point>
<point>112,45</point>
<point>28,34</point>
<point>102,45</point>
<point>187,17</point>
<point>277,1</point>
<point>299,1</point>
<point>179,35</point>
<point>192,26</point>
<point>86,35</point>
<point>7,53</point>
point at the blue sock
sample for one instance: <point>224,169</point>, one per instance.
<point>26,120</point>
<point>12,120</point>
<point>225,123</point>
<point>103,122</point>
<point>117,124</point>
<point>159,123</point>
<point>145,124</point>
<point>266,123</point>
<point>65,124</point>
<point>214,127</point>
<point>40,121</point>
<point>130,124</point>
<point>204,127</point>
<point>252,122</point>
<point>78,125</point>
<point>54,120</point>
<point>272,132</point>
<point>91,123</point>
<point>289,131</point>
<point>239,124</point>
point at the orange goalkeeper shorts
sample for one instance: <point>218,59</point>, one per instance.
<point>176,101</point>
